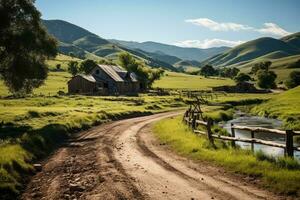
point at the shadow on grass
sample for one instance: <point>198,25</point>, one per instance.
<point>11,130</point>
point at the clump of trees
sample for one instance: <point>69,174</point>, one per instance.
<point>87,65</point>
<point>145,75</point>
<point>230,72</point>
<point>265,78</point>
<point>242,77</point>
<point>24,46</point>
<point>261,66</point>
<point>208,70</point>
<point>293,80</point>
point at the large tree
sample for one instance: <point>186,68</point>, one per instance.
<point>87,65</point>
<point>293,80</point>
<point>208,70</point>
<point>261,66</point>
<point>242,77</point>
<point>24,46</point>
<point>266,79</point>
<point>145,75</point>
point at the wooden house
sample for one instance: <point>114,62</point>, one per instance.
<point>105,80</point>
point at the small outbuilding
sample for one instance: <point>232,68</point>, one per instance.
<point>105,80</point>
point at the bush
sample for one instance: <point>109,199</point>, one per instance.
<point>266,79</point>
<point>293,80</point>
<point>208,70</point>
<point>242,77</point>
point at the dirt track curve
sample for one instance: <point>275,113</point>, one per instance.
<point>122,160</point>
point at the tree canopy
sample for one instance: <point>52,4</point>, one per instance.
<point>293,80</point>
<point>87,65</point>
<point>145,75</point>
<point>228,72</point>
<point>242,77</point>
<point>266,79</point>
<point>208,70</point>
<point>261,66</point>
<point>24,46</point>
<point>73,68</point>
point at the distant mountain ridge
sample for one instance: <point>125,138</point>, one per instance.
<point>183,53</point>
<point>259,49</point>
<point>82,42</point>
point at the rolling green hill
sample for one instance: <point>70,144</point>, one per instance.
<point>83,43</point>
<point>266,48</point>
<point>293,39</point>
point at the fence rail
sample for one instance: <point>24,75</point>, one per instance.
<point>193,120</point>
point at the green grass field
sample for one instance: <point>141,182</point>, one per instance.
<point>33,126</point>
<point>281,176</point>
<point>285,106</point>
<point>172,80</point>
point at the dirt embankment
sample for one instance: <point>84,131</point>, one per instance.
<point>122,160</point>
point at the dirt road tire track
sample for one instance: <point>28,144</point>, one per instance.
<point>122,160</point>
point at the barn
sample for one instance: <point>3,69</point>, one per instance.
<point>105,80</point>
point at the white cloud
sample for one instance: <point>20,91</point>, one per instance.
<point>274,29</point>
<point>216,26</point>
<point>269,28</point>
<point>207,43</point>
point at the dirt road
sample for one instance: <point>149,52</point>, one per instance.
<point>122,160</point>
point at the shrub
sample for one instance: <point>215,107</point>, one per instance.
<point>293,80</point>
<point>266,79</point>
<point>208,70</point>
<point>242,77</point>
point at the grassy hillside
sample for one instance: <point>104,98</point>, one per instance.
<point>268,47</point>
<point>284,106</point>
<point>293,39</point>
<point>282,66</point>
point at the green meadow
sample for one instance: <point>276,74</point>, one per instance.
<point>31,127</point>
<point>173,80</point>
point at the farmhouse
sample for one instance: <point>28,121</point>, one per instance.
<point>105,80</point>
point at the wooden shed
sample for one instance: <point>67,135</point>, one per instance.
<point>82,84</point>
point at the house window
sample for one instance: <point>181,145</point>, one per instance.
<point>105,85</point>
<point>97,71</point>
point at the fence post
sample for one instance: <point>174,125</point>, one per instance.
<point>289,143</point>
<point>194,122</point>
<point>232,135</point>
<point>209,132</point>
<point>252,143</point>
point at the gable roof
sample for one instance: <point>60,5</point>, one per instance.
<point>117,73</point>
<point>111,71</point>
<point>86,77</point>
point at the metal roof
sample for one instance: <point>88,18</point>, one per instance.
<point>110,70</point>
<point>117,73</point>
<point>87,77</point>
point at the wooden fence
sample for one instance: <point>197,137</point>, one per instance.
<point>193,120</point>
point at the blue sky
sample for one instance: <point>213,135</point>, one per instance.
<point>194,23</point>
